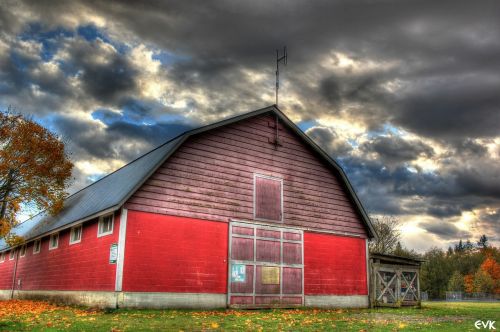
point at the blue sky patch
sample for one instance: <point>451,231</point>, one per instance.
<point>95,177</point>
<point>50,39</point>
<point>139,112</point>
<point>106,116</point>
<point>387,129</point>
<point>304,125</point>
<point>90,33</point>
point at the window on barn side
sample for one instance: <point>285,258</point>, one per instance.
<point>36,246</point>
<point>22,253</point>
<point>2,257</point>
<point>75,235</point>
<point>268,200</point>
<point>54,241</point>
<point>105,226</point>
<point>12,254</point>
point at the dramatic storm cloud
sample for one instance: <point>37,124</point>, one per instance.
<point>404,94</point>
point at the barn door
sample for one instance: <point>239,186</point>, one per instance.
<point>266,266</point>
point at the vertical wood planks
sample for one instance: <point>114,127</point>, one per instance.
<point>212,177</point>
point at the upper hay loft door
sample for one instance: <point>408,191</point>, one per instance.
<point>268,198</point>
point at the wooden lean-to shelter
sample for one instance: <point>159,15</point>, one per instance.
<point>394,281</point>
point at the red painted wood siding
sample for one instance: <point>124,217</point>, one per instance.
<point>211,177</point>
<point>80,266</point>
<point>175,254</point>
<point>6,269</point>
<point>334,265</point>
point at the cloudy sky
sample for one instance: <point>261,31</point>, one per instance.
<point>404,94</point>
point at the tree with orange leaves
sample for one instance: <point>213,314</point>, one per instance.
<point>469,283</point>
<point>492,268</point>
<point>34,169</point>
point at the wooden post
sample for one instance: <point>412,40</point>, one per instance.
<point>418,288</point>
<point>398,299</point>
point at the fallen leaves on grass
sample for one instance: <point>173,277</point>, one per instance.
<point>35,308</point>
<point>21,307</point>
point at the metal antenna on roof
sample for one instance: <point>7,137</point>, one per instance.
<point>283,58</point>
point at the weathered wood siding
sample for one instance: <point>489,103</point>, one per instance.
<point>212,176</point>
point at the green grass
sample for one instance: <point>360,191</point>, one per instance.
<point>433,316</point>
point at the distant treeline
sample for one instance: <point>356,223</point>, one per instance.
<point>466,267</point>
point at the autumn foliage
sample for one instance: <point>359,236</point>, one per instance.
<point>469,283</point>
<point>486,279</point>
<point>21,307</point>
<point>492,268</point>
<point>34,169</point>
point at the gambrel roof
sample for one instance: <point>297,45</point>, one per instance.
<point>112,191</point>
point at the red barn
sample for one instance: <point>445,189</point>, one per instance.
<point>247,212</point>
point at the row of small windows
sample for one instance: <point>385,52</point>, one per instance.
<point>104,227</point>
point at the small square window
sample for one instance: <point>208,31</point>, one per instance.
<point>22,253</point>
<point>105,226</point>
<point>12,254</point>
<point>2,257</point>
<point>54,241</point>
<point>76,235</point>
<point>36,246</point>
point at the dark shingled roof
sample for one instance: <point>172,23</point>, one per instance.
<point>395,259</point>
<point>111,192</point>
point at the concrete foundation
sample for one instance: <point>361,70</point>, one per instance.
<point>85,298</point>
<point>172,300</point>
<point>336,301</point>
<point>123,299</point>
<point>167,300</point>
<point>5,294</point>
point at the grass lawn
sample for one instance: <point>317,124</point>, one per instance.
<point>433,316</point>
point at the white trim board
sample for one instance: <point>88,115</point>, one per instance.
<point>121,250</point>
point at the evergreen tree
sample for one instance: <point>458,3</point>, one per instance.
<point>483,241</point>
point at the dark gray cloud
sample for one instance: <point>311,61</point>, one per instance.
<point>489,223</point>
<point>120,139</point>
<point>106,82</point>
<point>105,74</point>
<point>455,107</point>
<point>397,190</point>
<point>445,230</point>
<point>483,181</point>
<point>396,149</point>
<point>469,148</point>
<point>330,141</point>
<point>445,211</point>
